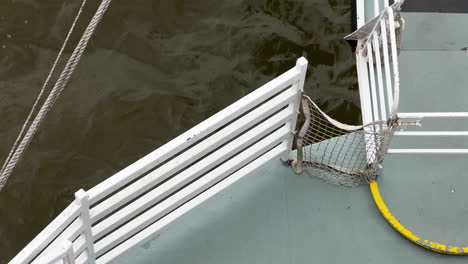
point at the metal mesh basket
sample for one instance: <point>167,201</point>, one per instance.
<point>339,153</point>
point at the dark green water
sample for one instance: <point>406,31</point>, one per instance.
<point>153,70</point>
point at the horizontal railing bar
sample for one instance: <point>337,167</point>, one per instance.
<point>79,245</point>
<point>191,173</point>
<point>434,114</point>
<point>428,151</point>
<point>431,133</point>
<point>70,233</point>
<point>199,131</point>
<point>48,234</point>
<point>157,227</point>
<point>56,255</point>
<point>82,258</point>
<point>182,196</point>
<point>160,174</point>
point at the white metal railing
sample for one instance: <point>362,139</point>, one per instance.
<point>366,80</point>
<point>63,254</point>
<point>138,202</point>
<point>377,66</point>
<point>434,134</point>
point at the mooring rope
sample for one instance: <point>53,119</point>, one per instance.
<point>24,138</point>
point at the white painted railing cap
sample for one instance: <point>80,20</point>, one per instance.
<point>81,194</point>
<point>302,62</point>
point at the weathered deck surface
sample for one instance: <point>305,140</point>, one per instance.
<point>427,193</point>
<point>275,216</point>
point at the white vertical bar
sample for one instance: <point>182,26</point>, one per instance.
<point>376,8</point>
<point>370,61</point>
<point>364,95</point>
<point>360,13</point>
<point>396,76</point>
<point>361,67</point>
<point>386,3</point>
<point>366,111</point>
<point>388,81</point>
<point>83,198</point>
<point>301,66</point>
<point>378,65</point>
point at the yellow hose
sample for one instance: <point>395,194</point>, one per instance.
<point>437,247</point>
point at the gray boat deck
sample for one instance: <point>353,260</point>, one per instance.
<point>427,192</point>
<point>276,216</point>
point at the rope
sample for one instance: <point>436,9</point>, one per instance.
<point>24,138</point>
<point>3,178</point>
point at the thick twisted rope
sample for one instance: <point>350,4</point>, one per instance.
<point>39,97</point>
<point>24,138</point>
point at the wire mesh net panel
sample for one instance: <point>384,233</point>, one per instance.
<point>338,153</point>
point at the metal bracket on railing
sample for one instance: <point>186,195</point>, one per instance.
<point>408,121</point>
<point>296,163</point>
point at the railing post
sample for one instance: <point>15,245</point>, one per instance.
<point>298,166</point>
<point>298,86</point>
<point>83,198</point>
